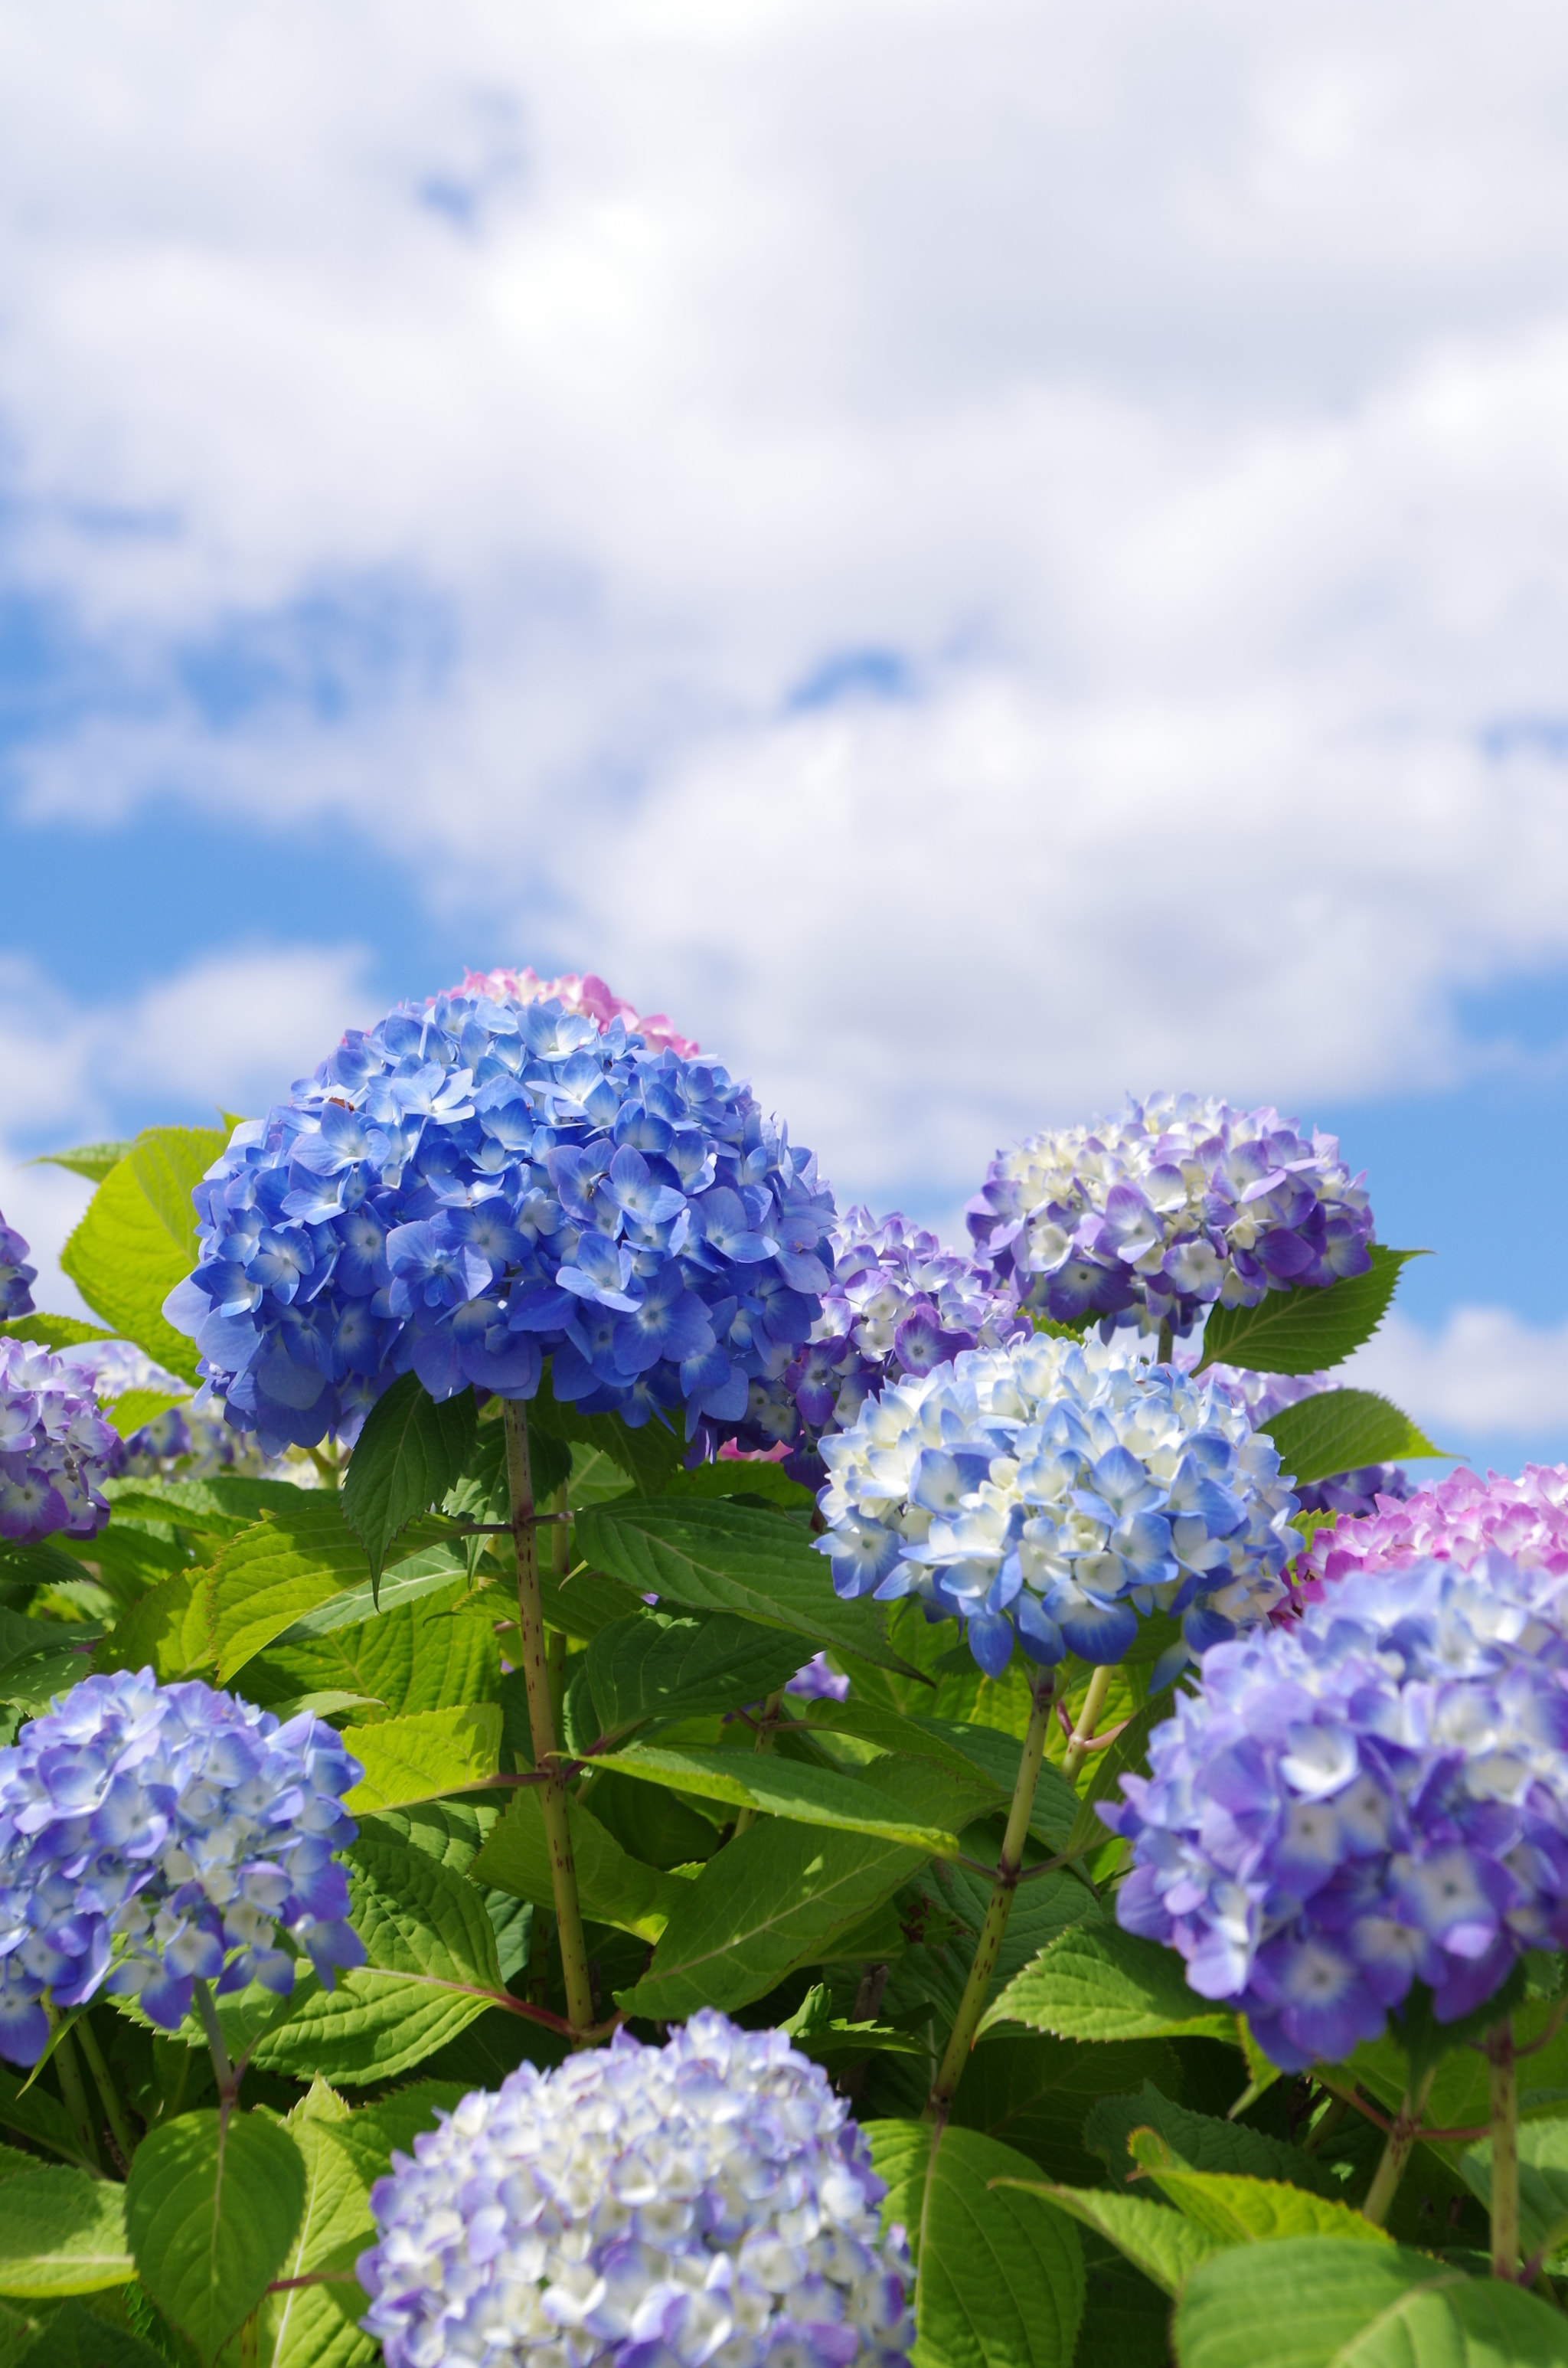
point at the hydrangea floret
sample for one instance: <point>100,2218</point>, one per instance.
<point>155,1836</point>
<point>1172,1204</point>
<point>1053,1492</point>
<point>1355,1492</point>
<point>16,1277</point>
<point>1373,1796</point>
<point>709,2201</point>
<point>1459,1519</point>
<point>587,994</point>
<point>473,1186</point>
<point>56,1450</point>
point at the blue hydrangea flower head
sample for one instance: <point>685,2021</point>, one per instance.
<point>1370,1797</point>
<point>56,1450</point>
<point>477,1185</point>
<point>1175,1204</point>
<point>152,1836</point>
<point>709,2201</point>
<point>1053,1492</point>
<point>16,1276</point>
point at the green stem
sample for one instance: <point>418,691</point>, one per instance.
<point>217,2047</point>
<point>1167,1345</point>
<point>769,1726</point>
<point>84,2121</point>
<point>105,2083</point>
<point>988,1948</point>
<point>1088,1719</point>
<point>1505,2151</point>
<point>1397,2152</point>
<point>541,1724</point>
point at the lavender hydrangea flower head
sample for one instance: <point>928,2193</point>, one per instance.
<point>706,2202</point>
<point>1150,1216</point>
<point>15,1276</point>
<point>56,1450</point>
<point>1370,1797</point>
<point>589,994</point>
<point>152,1836</point>
<point>473,1186</point>
<point>1053,1492</point>
<point>1459,1519</point>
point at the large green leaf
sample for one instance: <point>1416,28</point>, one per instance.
<point>612,1886</point>
<point>1157,2241</point>
<point>1031,2093</point>
<point>901,1803</point>
<point>93,1160</point>
<point>1338,1430</point>
<point>999,2272</point>
<point>1320,2303</point>
<point>62,2232</point>
<point>299,1559</point>
<point>729,1557</point>
<point>74,2338</point>
<point>410,1452</point>
<point>129,1412</point>
<point>211,2206</point>
<point>432,1653</point>
<point>1098,1982</point>
<point>776,1896</point>
<point>1249,2211</point>
<point>373,2132</point>
<point>1308,1329</point>
<point>656,1666</point>
<point>138,1239</point>
<point>741,1476</point>
<point>430,1569</point>
<point>168,1629</point>
<point>53,1331</point>
<point>314,2326</point>
<point>422,1755</point>
<point>1196,2142</point>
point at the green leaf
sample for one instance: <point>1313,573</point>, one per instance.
<point>168,1627</point>
<point>1326,2303</point>
<point>433,1653</point>
<point>129,1412</point>
<point>429,1570</point>
<point>1197,2142</point>
<point>422,1755</point>
<point>1249,2211</point>
<point>999,2272</point>
<point>1032,2093</point>
<point>62,2232</point>
<point>612,1886</point>
<point>776,1896</point>
<point>211,2206</point>
<point>93,1160</point>
<point>53,1331</point>
<point>1106,1769</point>
<point>370,2136</point>
<point>815,1796</point>
<point>650,1457</point>
<point>74,2338</point>
<point>1098,1982</point>
<point>1157,2241</point>
<point>33,1681</point>
<point>1310,1328</point>
<point>1543,2183</point>
<point>1338,1430</point>
<point>138,1239</point>
<point>34,2113</point>
<point>740,1476</point>
<point>411,1451</point>
<point>315,2326</point>
<point>728,1557</point>
<point>656,1666</point>
<point>293,1561</point>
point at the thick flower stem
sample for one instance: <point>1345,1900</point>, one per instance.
<point>107,2088</point>
<point>1396,2154</point>
<point>1167,1345</point>
<point>541,1722</point>
<point>217,2047</point>
<point>1505,2151</point>
<point>988,1948</point>
<point>1088,1719</point>
<point>73,2090</point>
<point>772,1710</point>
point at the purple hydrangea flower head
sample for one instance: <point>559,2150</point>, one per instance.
<point>709,2201</point>
<point>1053,1492</point>
<point>1151,1215</point>
<point>1459,1519</point>
<point>1374,1795</point>
<point>477,1185</point>
<point>56,1450</point>
<point>152,1836</point>
<point>16,1276</point>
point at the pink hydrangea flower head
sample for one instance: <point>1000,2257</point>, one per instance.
<point>589,994</point>
<point>1459,1519</point>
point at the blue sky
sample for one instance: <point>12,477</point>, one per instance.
<point>976,570</point>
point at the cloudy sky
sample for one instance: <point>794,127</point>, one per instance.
<point>979,553</point>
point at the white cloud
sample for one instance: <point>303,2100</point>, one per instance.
<point>1486,1374</point>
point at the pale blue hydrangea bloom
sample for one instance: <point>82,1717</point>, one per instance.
<point>56,1450</point>
<point>1151,1215</point>
<point>708,2204</point>
<point>1373,1796</point>
<point>152,1836</point>
<point>1055,1491</point>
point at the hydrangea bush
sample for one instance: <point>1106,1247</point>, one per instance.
<point>550,1809</point>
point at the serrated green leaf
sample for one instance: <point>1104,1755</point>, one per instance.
<point>999,2270</point>
<point>371,2134</point>
<point>411,1451</point>
<point>299,1559</point>
<point>1544,2183</point>
<point>221,1506</point>
<point>211,2206</point>
<point>1310,1328</point>
<point>33,1681</point>
<point>53,1331</point>
<point>168,1629</point>
<point>433,1653</point>
<point>138,1239</point>
<point>32,2112</point>
<point>1326,2303</point>
<point>315,2326</point>
<point>422,1755</point>
<point>1098,1982</point>
<point>659,1666</point>
<point>74,2338</point>
<point>1248,2210</point>
<point>429,1570</point>
<point>729,1557</point>
<point>901,1804</point>
<point>612,1886</point>
<point>1197,2142</point>
<point>776,1896</point>
<point>1032,2093</point>
<point>1157,2240</point>
<point>1338,1430</point>
<point>93,1160</point>
<point>740,1476</point>
<point>62,2232</point>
